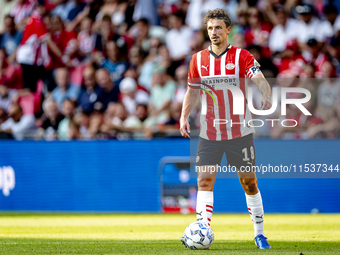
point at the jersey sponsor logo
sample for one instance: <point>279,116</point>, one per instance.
<point>230,66</point>
<point>213,82</point>
<point>205,67</point>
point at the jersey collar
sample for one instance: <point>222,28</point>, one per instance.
<point>218,56</point>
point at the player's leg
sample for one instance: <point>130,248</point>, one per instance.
<point>255,207</point>
<point>241,154</point>
<point>209,155</point>
<point>254,201</point>
<point>205,195</point>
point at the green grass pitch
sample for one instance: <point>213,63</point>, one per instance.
<point>159,234</point>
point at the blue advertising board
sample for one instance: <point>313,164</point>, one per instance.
<point>123,176</point>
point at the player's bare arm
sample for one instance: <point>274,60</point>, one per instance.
<point>54,48</point>
<point>265,90</point>
<point>188,105</point>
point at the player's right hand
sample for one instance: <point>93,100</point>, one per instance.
<point>184,128</point>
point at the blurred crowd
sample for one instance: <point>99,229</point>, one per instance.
<point>103,69</point>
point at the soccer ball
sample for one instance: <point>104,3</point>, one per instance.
<point>198,236</point>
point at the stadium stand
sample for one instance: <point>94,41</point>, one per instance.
<point>121,65</point>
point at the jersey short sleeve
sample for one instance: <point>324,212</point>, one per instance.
<point>35,25</point>
<point>193,76</point>
<point>41,30</point>
<point>252,67</point>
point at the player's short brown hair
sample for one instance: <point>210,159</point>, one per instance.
<point>218,14</point>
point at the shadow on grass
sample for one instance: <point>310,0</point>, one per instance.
<point>10,246</point>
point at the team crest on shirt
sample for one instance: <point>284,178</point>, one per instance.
<point>230,66</point>
<point>197,159</point>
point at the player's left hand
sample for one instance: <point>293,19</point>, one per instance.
<point>265,104</point>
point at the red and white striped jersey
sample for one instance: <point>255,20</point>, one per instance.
<point>229,68</point>
<point>22,10</point>
<point>35,33</point>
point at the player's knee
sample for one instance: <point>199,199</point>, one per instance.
<point>205,184</point>
<point>249,184</point>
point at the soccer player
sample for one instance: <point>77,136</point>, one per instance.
<point>215,64</point>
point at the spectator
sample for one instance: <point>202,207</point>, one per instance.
<point>29,53</point>
<point>63,9</point>
<point>121,121</point>
<point>162,94</point>
<point>312,27</point>
<point>334,51</point>
<point>86,39</point>
<point>135,56</point>
<point>104,35</point>
<point>331,14</point>
<point>66,42</point>
<point>6,8</point>
<point>120,115</point>
<point>146,9</point>
<point>78,8</point>
<point>110,91</point>
<point>145,77</point>
<point>165,61</point>
<point>161,58</point>
<point>115,62</point>
<point>171,127</point>
<point>50,121</point>
<point>285,30</point>
<point>182,80</point>
<point>64,89</point>
<point>178,37</point>
<point>313,55</point>
<point>84,125</point>
<point>68,112</point>
<point>114,9</point>
<point>328,92</point>
<point>6,97</point>
<point>259,31</point>
<point>131,95</point>
<point>267,66</point>
<point>19,125</point>
<point>141,112</point>
<point>11,38</point>
<point>291,63</point>
<point>175,114</point>
<point>142,36</point>
<point>22,10</point>
<point>90,92</point>
<point>10,74</point>
<point>328,129</point>
<point>74,130</point>
<point>309,82</point>
<point>242,18</point>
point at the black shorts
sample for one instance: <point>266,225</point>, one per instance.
<point>31,74</point>
<point>239,152</point>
